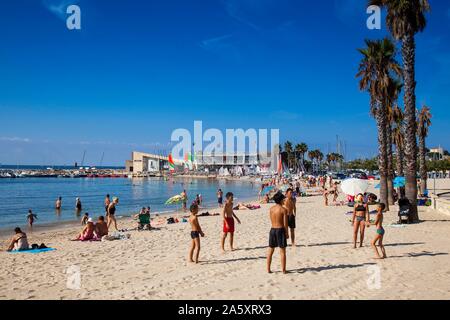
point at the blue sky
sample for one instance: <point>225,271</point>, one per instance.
<point>140,69</point>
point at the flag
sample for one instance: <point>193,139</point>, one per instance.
<point>171,163</point>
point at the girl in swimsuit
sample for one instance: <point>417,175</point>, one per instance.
<point>380,233</point>
<point>359,220</point>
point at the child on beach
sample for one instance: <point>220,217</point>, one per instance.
<point>30,218</point>
<point>380,233</point>
<point>85,218</point>
<point>195,233</point>
<point>290,205</point>
<point>279,232</point>
<point>228,220</point>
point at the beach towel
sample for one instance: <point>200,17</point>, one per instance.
<point>33,250</point>
<point>396,225</point>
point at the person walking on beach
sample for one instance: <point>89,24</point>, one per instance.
<point>220,198</point>
<point>359,220</point>
<point>107,202</point>
<point>228,221</point>
<point>112,212</point>
<point>279,232</point>
<point>380,233</point>
<point>290,205</point>
<point>30,218</point>
<point>58,203</point>
<point>185,198</point>
<point>196,232</point>
<point>78,205</point>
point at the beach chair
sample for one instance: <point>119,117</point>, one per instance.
<point>144,222</point>
<point>404,210</point>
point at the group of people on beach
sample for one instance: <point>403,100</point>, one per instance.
<point>282,216</point>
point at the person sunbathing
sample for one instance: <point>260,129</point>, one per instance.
<point>87,233</point>
<point>101,228</point>
<point>19,241</point>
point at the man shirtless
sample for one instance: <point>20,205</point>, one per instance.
<point>279,233</point>
<point>290,205</point>
<point>228,220</point>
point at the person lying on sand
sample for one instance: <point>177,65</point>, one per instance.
<point>228,221</point>
<point>101,228</point>
<point>380,233</point>
<point>196,232</point>
<point>19,241</point>
<point>279,232</point>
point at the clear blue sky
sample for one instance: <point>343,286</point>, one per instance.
<point>139,69</point>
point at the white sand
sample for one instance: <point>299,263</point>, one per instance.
<point>152,265</point>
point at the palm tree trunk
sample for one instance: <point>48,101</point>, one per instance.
<point>408,53</point>
<point>390,165</point>
<point>400,169</point>
<point>423,165</point>
<point>382,158</point>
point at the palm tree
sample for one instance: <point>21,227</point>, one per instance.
<point>375,70</point>
<point>398,138</point>
<point>424,117</point>
<point>319,157</point>
<point>289,153</point>
<point>404,19</point>
<point>301,150</point>
<point>393,93</point>
<point>312,155</point>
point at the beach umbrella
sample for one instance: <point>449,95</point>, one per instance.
<point>266,190</point>
<point>399,182</point>
<point>352,186</point>
<point>175,199</point>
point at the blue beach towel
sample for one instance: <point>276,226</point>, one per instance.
<point>33,251</point>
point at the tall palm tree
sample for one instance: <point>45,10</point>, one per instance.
<point>398,138</point>
<point>289,153</point>
<point>424,116</point>
<point>394,90</point>
<point>301,149</point>
<point>405,18</point>
<point>375,73</point>
<point>319,157</point>
<point>312,156</point>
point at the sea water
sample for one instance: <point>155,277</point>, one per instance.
<point>17,196</point>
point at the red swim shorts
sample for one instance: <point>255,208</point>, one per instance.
<point>230,228</point>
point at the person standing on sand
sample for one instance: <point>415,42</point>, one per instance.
<point>107,203</point>
<point>58,203</point>
<point>228,221</point>
<point>359,220</point>
<point>290,205</point>
<point>220,198</point>
<point>30,218</point>
<point>195,234</point>
<point>380,233</point>
<point>112,212</point>
<point>279,232</point>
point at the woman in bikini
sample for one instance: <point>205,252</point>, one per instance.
<point>359,220</point>
<point>112,212</point>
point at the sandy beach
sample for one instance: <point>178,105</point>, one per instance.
<point>153,264</point>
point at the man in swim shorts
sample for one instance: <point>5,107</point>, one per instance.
<point>228,221</point>
<point>279,232</point>
<point>290,205</point>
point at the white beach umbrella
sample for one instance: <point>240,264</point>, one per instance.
<point>352,187</point>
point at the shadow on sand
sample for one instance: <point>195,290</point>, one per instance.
<point>331,267</point>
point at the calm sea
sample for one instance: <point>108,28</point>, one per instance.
<point>40,194</point>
